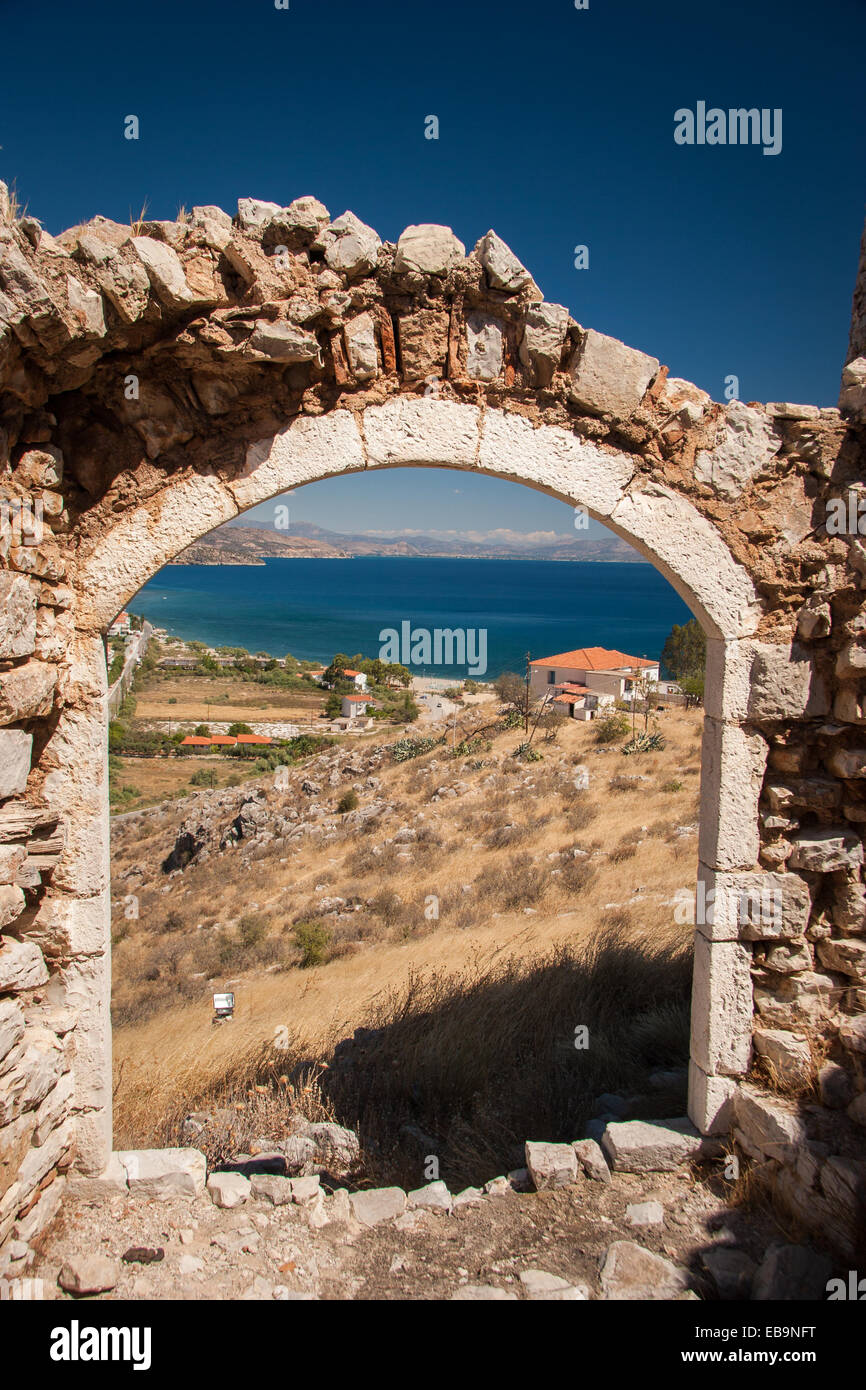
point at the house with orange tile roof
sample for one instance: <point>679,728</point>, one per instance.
<point>358,678</point>
<point>354,705</point>
<point>581,682</point>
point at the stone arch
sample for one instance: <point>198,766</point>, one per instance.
<point>153,386</point>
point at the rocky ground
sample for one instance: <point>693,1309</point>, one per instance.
<point>576,1223</point>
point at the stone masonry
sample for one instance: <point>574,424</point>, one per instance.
<point>157,380</point>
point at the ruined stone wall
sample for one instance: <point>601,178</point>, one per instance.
<point>157,380</point>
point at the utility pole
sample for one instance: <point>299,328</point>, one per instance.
<point>528,678</point>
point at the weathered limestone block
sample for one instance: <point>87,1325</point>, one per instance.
<point>710,1100</point>
<point>852,1033</point>
<point>608,378</point>
<point>351,247</point>
<point>846,957</point>
<point>165,271</point>
<point>11,1026</point>
<point>65,926</point>
<point>544,330</point>
<point>423,343</point>
<point>551,1165</point>
<point>826,849</point>
<point>433,1196</point>
<point>732,774</point>
<point>15,752</point>
<point>30,1072</point>
<point>485,338</point>
<point>785,685</point>
<point>788,1054</point>
<point>848,903</point>
<point>279,341</point>
<point>41,1158</point>
<point>690,553</point>
<point>754,906</point>
<point>165,1173</point>
<point>254,214</point>
<point>721,1007</point>
<point>228,1189</point>
<point>631,1273</point>
<point>307,449</point>
<point>806,998</point>
<point>653,1146</point>
<point>849,763</point>
<point>55,1107</point>
<point>504,271</point>
<point>803,794</point>
<point>591,1159</point>
<point>11,904</point>
<point>361,347</point>
<point>298,224</point>
<point>556,458</point>
<point>769,1123</point>
<point>378,1204</point>
<point>86,307</point>
<point>124,281</point>
<point>29,1226</point>
<point>27,692</point>
<point>421,430</point>
<point>742,454</point>
<point>429,250</point>
<point>39,468</point>
<point>787,958</point>
<point>852,397</point>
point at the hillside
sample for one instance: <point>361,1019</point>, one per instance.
<point>448,870</point>
<point>250,545</point>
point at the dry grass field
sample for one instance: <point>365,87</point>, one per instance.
<point>488,910</point>
<point>165,696</point>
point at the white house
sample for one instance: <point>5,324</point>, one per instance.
<point>591,677</point>
<point>358,678</point>
<point>121,627</point>
<point>354,705</point>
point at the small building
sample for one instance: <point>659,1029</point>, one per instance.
<point>354,705</point>
<point>593,671</point>
<point>121,627</point>
<point>195,741</point>
<point>358,678</point>
<point>256,740</point>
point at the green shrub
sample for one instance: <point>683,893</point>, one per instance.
<point>611,726</point>
<point>348,802</point>
<point>314,940</point>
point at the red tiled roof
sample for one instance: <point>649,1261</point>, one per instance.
<point>576,689</point>
<point>253,738</point>
<point>195,741</point>
<point>357,699</point>
<point>224,740</point>
<point>347,672</point>
<point>563,699</point>
<point>593,659</point>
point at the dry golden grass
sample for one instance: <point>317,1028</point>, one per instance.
<point>200,698</point>
<point>511,839</point>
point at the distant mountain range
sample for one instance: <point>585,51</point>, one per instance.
<point>250,545</point>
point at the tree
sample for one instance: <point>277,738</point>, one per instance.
<point>685,650</point>
<point>202,731</point>
<point>239,728</point>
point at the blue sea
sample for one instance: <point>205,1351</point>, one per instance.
<point>314,608</point>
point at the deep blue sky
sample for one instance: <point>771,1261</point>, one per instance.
<point>556,128</point>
